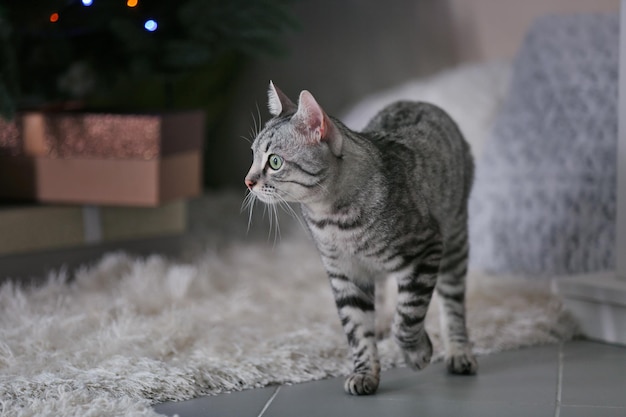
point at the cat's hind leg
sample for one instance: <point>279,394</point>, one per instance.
<point>416,282</point>
<point>451,291</point>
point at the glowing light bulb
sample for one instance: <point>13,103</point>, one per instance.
<point>132,3</point>
<point>87,3</point>
<point>54,17</point>
<point>150,25</point>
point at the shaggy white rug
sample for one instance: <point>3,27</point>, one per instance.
<point>127,333</point>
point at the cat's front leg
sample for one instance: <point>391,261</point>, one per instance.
<point>355,304</point>
<point>416,283</point>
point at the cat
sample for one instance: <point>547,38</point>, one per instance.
<point>388,202</point>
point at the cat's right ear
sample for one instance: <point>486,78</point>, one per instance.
<point>278,102</point>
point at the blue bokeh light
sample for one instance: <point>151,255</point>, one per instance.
<point>87,2</point>
<point>150,25</point>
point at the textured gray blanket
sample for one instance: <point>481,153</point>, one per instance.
<point>544,196</point>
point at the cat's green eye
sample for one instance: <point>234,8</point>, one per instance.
<point>275,161</point>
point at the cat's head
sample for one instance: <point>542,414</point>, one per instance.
<point>296,153</point>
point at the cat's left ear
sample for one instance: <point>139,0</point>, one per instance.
<point>278,102</point>
<point>316,124</point>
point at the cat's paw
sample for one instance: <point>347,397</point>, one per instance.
<point>419,357</point>
<point>361,384</point>
<point>462,361</point>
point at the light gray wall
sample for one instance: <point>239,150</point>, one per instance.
<point>344,50</point>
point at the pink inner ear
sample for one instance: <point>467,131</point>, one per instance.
<point>316,124</point>
<point>312,115</point>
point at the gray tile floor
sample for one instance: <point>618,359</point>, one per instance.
<point>576,379</point>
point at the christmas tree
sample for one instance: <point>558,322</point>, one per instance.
<point>147,53</point>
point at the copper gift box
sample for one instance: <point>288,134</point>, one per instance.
<point>104,159</point>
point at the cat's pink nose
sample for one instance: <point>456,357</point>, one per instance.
<point>249,183</point>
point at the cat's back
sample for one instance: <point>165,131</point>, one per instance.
<point>410,117</point>
<point>420,141</point>
<point>422,127</point>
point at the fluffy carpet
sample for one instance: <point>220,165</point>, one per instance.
<point>127,333</point>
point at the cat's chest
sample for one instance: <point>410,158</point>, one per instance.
<point>355,252</point>
<point>347,236</point>
<point>340,240</point>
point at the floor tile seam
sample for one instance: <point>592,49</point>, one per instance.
<point>269,401</point>
<point>608,407</point>
<point>559,383</point>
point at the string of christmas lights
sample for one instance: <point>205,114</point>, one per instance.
<point>104,51</point>
<point>149,25</point>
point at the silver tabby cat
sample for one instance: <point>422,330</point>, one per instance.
<point>387,202</point>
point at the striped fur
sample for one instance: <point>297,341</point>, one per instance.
<point>388,202</point>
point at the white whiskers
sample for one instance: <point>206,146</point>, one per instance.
<point>272,201</point>
<point>255,128</point>
<point>248,204</point>
<point>284,204</point>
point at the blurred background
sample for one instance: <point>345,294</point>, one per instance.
<point>122,119</point>
<point>219,56</point>
<point>125,127</point>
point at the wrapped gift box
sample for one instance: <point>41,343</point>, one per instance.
<point>114,182</point>
<point>102,135</point>
<point>107,159</point>
<point>35,228</point>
